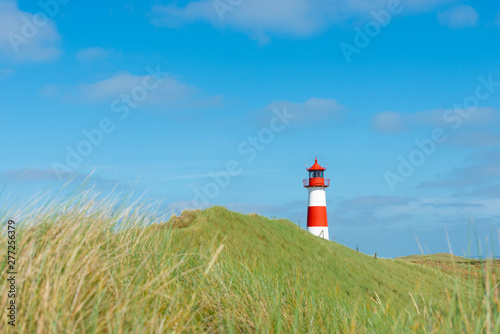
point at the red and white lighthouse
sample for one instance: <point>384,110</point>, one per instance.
<point>317,221</point>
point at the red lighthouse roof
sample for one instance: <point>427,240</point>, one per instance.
<point>316,166</point>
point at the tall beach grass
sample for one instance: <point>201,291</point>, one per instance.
<point>100,264</point>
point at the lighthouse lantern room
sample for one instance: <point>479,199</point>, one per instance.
<point>317,222</point>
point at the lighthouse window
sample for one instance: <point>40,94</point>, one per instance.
<point>316,173</point>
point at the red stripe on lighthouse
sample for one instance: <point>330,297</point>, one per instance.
<point>316,216</point>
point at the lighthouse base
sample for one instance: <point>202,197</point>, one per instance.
<point>320,231</point>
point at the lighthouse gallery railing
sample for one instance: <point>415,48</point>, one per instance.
<point>306,182</point>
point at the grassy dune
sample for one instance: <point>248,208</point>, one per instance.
<point>104,266</point>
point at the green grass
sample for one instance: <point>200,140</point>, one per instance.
<point>453,264</point>
<point>103,266</point>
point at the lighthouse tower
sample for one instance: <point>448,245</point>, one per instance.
<point>317,222</point>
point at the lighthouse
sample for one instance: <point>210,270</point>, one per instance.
<point>317,221</point>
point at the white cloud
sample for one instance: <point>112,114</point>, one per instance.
<point>442,117</point>
<point>374,210</point>
<point>26,36</point>
<point>92,53</point>
<point>28,174</point>
<point>479,138</point>
<point>394,122</point>
<point>404,212</point>
<point>170,92</point>
<point>483,168</point>
<point>49,91</point>
<point>314,109</point>
<point>262,18</point>
<point>462,16</point>
<point>388,122</point>
<point>371,203</point>
<point>39,175</point>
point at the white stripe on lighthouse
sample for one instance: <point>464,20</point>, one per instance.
<point>317,196</point>
<point>320,231</point>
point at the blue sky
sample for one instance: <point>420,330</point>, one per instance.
<point>224,102</point>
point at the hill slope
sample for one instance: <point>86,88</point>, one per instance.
<point>90,267</point>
